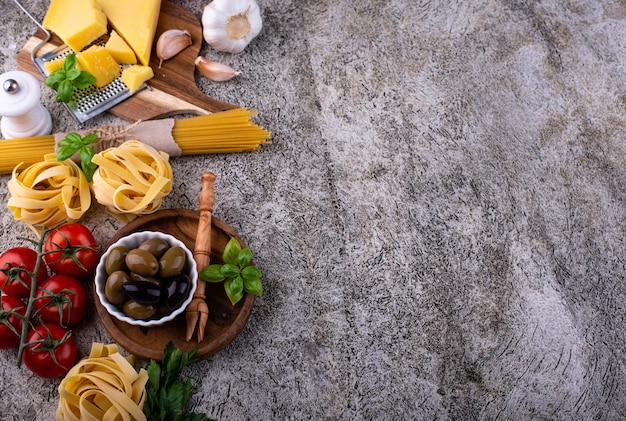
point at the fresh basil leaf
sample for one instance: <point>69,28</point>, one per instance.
<point>89,169</point>
<point>85,153</point>
<point>253,286</point>
<point>90,138</point>
<point>69,62</point>
<point>231,251</point>
<point>64,153</point>
<point>244,257</point>
<point>84,79</point>
<point>64,91</point>
<point>234,289</point>
<point>212,273</point>
<point>55,78</point>
<point>229,270</point>
<point>251,273</point>
<point>74,138</point>
<point>72,73</point>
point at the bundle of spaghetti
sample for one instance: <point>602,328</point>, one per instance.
<point>27,151</point>
<point>223,132</point>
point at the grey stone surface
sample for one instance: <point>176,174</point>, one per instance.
<point>439,219</point>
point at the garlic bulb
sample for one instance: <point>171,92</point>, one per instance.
<point>215,71</point>
<point>230,25</point>
<point>172,42</point>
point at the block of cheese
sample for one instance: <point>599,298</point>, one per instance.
<point>53,65</point>
<point>135,21</point>
<point>134,76</point>
<point>77,23</point>
<point>120,51</point>
<point>100,63</point>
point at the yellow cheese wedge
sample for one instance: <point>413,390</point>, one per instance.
<point>134,76</point>
<point>120,51</point>
<point>53,65</point>
<point>100,63</point>
<point>135,21</point>
<point>77,23</point>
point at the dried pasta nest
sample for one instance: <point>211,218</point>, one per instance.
<point>103,386</point>
<point>132,179</point>
<point>48,193</point>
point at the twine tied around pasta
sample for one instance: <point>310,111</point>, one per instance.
<point>154,133</point>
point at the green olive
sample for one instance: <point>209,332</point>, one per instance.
<point>114,288</point>
<point>115,259</point>
<point>142,262</point>
<point>172,262</point>
<point>139,311</point>
<point>140,278</point>
<point>156,246</point>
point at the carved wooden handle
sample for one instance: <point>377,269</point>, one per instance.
<point>197,312</point>
<point>202,247</point>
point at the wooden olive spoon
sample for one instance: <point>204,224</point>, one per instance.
<point>197,312</point>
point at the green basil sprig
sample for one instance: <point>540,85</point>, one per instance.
<point>72,143</point>
<point>67,78</point>
<point>236,272</point>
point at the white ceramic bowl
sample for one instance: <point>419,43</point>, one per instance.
<point>133,241</point>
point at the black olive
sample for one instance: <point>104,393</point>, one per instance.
<point>143,292</point>
<point>176,291</point>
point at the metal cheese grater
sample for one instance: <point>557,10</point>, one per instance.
<point>91,101</point>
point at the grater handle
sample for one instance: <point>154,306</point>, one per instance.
<point>33,53</point>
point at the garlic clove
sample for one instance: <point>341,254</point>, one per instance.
<point>172,42</point>
<point>215,71</point>
<point>230,25</point>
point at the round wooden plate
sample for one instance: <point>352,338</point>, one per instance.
<point>225,320</point>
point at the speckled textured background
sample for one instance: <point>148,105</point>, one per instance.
<point>439,220</point>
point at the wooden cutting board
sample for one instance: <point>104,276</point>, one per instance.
<point>173,89</point>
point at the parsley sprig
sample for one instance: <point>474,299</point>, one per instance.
<point>67,78</point>
<point>166,395</point>
<point>72,143</point>
<point>237,272</point>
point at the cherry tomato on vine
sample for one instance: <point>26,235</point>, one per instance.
<point>51,350</point>
<point>16,268</point>
<point>71,249</point>
<point>10,322</point>
<point>61,299</point>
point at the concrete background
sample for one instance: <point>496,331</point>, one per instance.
<point>439,220</point>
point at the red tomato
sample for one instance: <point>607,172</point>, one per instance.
<point>71,249</point>
<point>61,299</point>
<point>17,266</point>
<point>46,340</point>
<point>10,322</point>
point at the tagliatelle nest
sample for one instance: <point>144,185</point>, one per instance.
<point>103,386</point>
<point>48,193</point>
<point>131,179</point>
